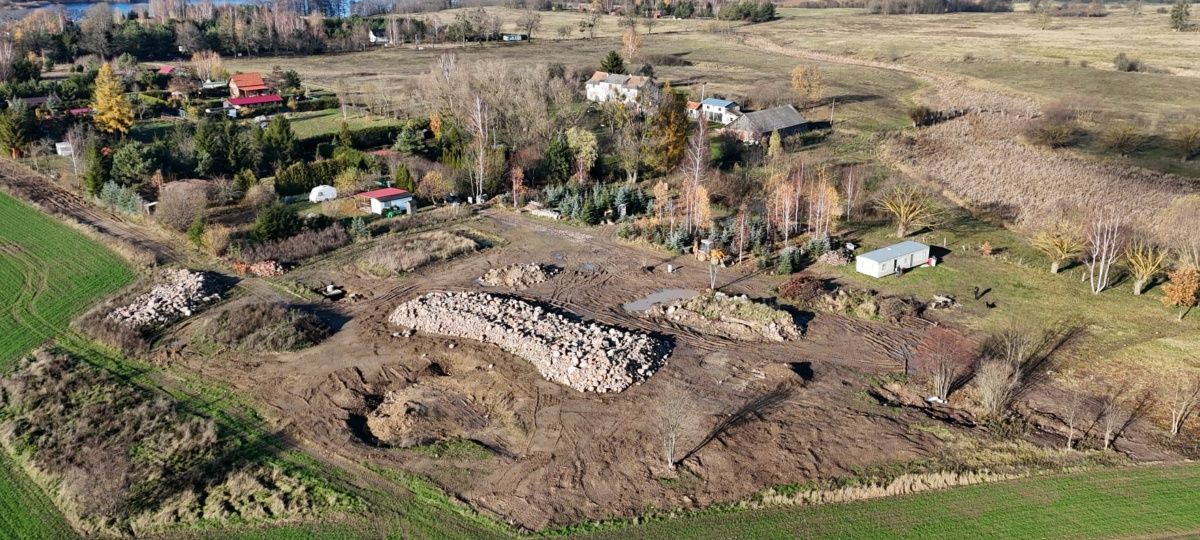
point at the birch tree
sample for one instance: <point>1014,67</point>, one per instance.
<point>1182,395</point>
<point>1105,239</point>
<point>480,123</point>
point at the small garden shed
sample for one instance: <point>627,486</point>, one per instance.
<point>892,259</point>
<point>386,201</point>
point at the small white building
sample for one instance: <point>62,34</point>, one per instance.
<point>322,194</point>
<point>514,37</point>
<point>64,149</point>
<point>377,39</point>
<point>386,201</point>
<point>719,110</point>
<point>893,259</point>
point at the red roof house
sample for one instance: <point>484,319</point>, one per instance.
<point>254,100</point>
<point>246,85</point>
<point>386,201</point>
<point>166,70</point>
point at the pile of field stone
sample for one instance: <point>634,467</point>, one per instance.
<point>518,276</point>
<point>178,295</point>
<point>588,357</point>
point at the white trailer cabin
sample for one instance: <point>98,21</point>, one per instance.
<point>892,259</point>
<point>322,194</point>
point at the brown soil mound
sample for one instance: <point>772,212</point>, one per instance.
<point>733,317</point>
<point>422,415</point>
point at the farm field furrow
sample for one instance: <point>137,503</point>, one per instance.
<point>48,274</point>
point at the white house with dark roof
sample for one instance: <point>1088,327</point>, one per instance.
<point>719,110</point>
<point>616,87</point>
<point>753,127</point>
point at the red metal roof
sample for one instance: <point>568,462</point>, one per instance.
<point>166,70</point>
<point>385,194</point>
<point>247,80</point>
<point>255,100</point>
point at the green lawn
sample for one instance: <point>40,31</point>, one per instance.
<point>1120,329</point>
<point>25,510</point>
<point>311,124</point>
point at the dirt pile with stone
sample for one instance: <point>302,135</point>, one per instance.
<point>420,415</point>
<point>179,294</point>
<point>733,317</point>
<point>518,276</point>
<point>586,356</point>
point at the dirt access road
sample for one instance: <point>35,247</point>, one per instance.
<point>548,455</point>
<point>116,232</point>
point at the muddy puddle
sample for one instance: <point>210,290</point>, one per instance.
<point>659,297</point>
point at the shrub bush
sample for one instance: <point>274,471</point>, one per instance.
<point>264,327</point>
<point>1056,128</point>
<point>296,248</point>
<point>275,222</point>
<point>181,203</point>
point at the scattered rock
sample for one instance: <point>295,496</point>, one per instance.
<point>518,276</point>
<point>588,357</point>
<point>180,294</point>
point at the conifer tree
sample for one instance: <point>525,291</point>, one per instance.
<point>112,112</point>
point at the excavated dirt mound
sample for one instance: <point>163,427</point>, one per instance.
<point>733,317</point>
<point>423,415</point>
<point>518,276</point>
<point>586,356</point>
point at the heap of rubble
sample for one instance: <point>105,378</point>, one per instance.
<point>518,276</point>
<point>178,295</point>
<point>735,317</point>
<point>586,356</point>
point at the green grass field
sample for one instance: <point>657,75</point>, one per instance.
<point>49,273</point>
<point>312,124</point>
<point>1135,336</point>
<point>25,510</point>
<point>1137,502</point>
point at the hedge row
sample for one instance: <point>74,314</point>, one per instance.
<point>369,137</point>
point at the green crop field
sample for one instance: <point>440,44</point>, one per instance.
<point>49,273</point>
<point>1118,503</point>
<point>25,511</point>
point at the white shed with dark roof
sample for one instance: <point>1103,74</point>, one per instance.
<point>892,259</point>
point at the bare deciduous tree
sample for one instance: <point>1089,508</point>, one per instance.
<point>180,203</point>
<point>677,418</point>
<point>1182,394</point>
<point>911,209</point>
<point>1105,240</point>
<point>1075,398</point>
<point>944,356</point>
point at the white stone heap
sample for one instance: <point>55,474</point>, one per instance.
<point>180,293</point>
<point>586,356</point>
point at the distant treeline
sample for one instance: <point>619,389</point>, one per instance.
<point>911,7</point>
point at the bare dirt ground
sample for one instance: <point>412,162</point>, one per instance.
<point>555,455</point>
